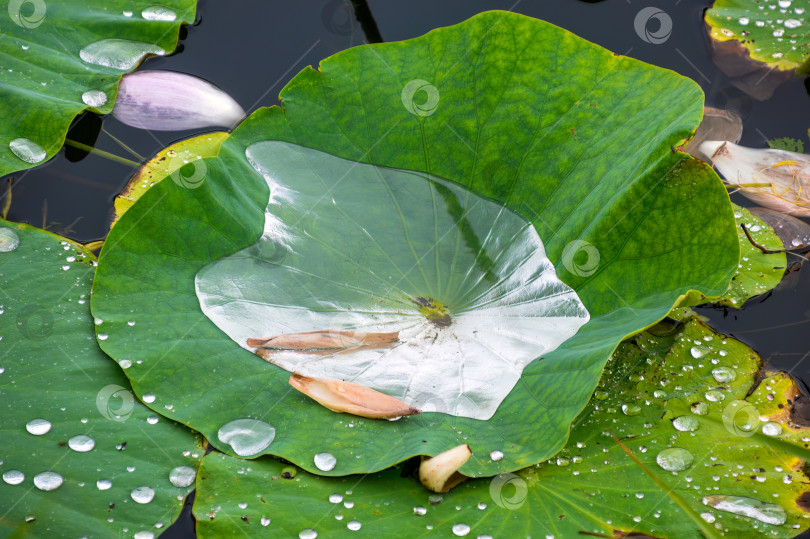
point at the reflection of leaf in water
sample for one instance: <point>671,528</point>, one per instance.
<point>717,124</point>
<point>794,233</point>
<point>471,239</point>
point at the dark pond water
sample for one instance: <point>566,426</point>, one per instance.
<point>251,49</point>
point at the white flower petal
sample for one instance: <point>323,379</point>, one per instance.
<point>785,176</point>
<point>169,101</point>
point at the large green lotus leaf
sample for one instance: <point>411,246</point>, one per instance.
<point>652,383</point>
<point>562,132</point>
<point>67,409</point>
<point>774,33</point>
<point>60,57</point>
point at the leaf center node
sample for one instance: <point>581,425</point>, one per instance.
<point>434,310</point>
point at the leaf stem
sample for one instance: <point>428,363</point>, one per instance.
<point>707,530</point>
<point>124,146</point>
<point>770,251</point>
<point>102,153</point>
<point>367,22</point>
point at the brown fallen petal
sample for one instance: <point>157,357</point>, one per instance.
<point>340,396</point>
<point>325,340</point>
<point>440,473</point>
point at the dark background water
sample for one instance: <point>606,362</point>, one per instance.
<point>251,49</point>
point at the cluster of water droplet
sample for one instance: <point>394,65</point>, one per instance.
<point>781,18</point>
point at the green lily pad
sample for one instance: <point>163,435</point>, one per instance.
<point>775,33</point>
<point>744,454</point>
<point>166,164</point>
<point>80,453</point>
<point>62,57</point>
<point>758,272</point>
<point>559,131</point>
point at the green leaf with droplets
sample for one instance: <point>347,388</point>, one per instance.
<point>758,272</point>
<point>774,34</point>
<point>61,57</point>
<point>519,112</point>
<point>51,369</point>
<point>592,486</point>
<point>166,164</point>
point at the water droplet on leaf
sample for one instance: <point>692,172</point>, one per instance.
<point>748,507</point>
<point>27,150</point>
<point>120,54</point>
<point>8,240</point>
<point>81,443</point>
<point>325,461</point>
<point>142,494</point>
<point>182,476</point>
<point>158,13</point>
<point>686,423</point>
<point>94,98</point>
<point>674,459</point>
<point>38,426</point>
<point>48,481</point>
<point>13,477</point>
<point>247,437</point>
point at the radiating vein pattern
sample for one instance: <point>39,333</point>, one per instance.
<point>352,250</point>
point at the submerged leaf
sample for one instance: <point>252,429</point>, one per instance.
<point>340,396</point>
<point>169,101</point>
<point>440,473</point>
<point>775,179</point>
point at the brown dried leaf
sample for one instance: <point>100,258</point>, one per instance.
<point>340,396</point>
<point>326,340</point>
